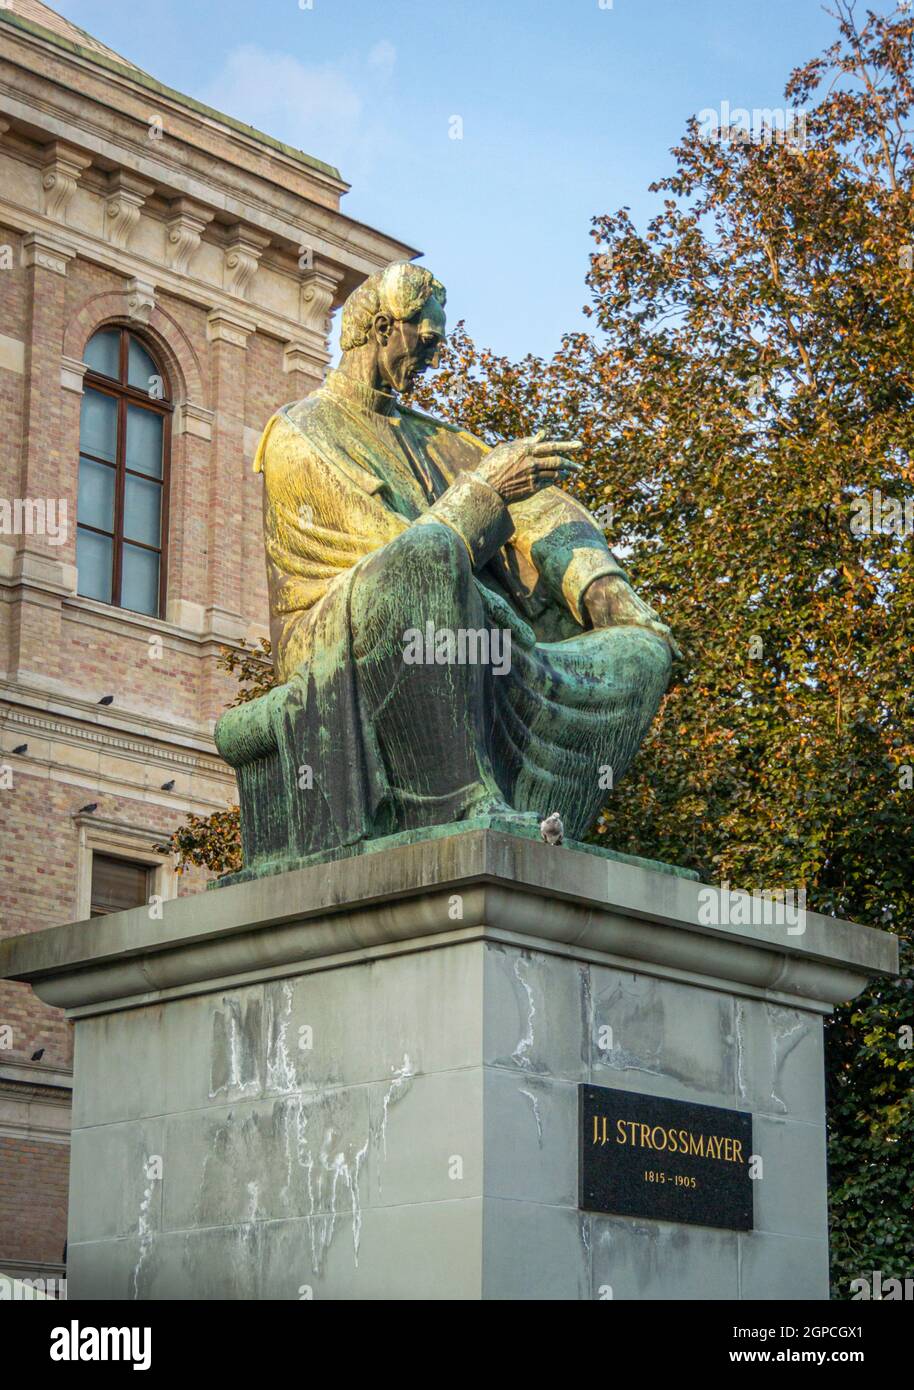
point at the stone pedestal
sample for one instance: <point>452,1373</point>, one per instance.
<point>359,1080</point>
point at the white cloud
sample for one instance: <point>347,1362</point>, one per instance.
<point>383,57</point>
<point>316,109</point>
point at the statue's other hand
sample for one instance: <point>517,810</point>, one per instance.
<point>522,467</point>
<point>611,602</point>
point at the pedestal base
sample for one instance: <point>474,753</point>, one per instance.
<point>360,1080</point>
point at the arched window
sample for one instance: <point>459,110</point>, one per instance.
<point>124,436</point>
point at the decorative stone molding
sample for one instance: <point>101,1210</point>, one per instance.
<point>39,249</point>
<point>126,196</point>
<point>243,251</point>
<point>186,614</point>
<point>193,419</point>
<point>144,746</point>
<point>316,298</point>
<point>97,836</point>
<point>185,228</point>
<point>298,357</point>
<point>72,372</point>
<point>225,327</point>
<point>40,571</point>
<point>141,300</point>
<point>62,168</point>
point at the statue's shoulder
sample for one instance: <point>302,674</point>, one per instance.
<point>289,426</point>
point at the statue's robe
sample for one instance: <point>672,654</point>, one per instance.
<point>378,534</point>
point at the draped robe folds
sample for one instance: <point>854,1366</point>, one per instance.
<point>380,535</point>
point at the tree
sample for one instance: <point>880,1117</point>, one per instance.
<point>214,842</point>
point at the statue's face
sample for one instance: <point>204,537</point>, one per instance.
<point>408,347</point>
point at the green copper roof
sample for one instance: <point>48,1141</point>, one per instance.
<point>144,80</point>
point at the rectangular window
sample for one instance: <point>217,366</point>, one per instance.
<point>117,884</point>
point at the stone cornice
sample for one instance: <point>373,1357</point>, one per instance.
<point>562,901</point>
<point>357,248</point>
<point>201,293</point>
<point>118,72</point>
<point>36,1082</point>
<point>160,743</point>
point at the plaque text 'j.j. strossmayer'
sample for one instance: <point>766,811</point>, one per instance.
<point>666,1159</point>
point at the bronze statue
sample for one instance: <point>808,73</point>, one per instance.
<point>456,639</point>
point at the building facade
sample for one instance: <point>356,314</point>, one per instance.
<point>167,275</point>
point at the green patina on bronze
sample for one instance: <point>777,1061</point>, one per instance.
<point>457,643</point>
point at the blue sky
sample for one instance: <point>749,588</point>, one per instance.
<point>569,109</point>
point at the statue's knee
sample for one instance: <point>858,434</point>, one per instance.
<point>435,544</point>
<point>422,555</point>
<point>425,573</point>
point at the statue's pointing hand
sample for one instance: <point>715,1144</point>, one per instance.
<point>522,467</point>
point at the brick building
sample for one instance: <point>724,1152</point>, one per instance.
<point>166,279</point>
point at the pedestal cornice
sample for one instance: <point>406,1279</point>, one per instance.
<point>556,900</point>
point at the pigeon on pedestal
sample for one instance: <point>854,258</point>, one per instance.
<point>552,829</point>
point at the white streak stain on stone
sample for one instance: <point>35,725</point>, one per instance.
<point>740,1051</point>
<point>534,1101</point>
<point>235,1079</point>
<point>782,1034</point>
<point>144,1231</point>
<point>403,1075</point>
<point>338,1169</point>
<point>520,1053</point>
<point>397,1089</point>
<point>328,1173</point>
<point>280,1065</point>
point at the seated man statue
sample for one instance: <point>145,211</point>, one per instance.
<point>456,639</point>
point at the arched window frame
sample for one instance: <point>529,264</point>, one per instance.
<point>125,395</point>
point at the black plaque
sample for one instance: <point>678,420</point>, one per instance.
<point>666,1159</point>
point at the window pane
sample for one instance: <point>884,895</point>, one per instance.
<point>103,353</point>
<point>141,370</point>
<point>96,495</point>
<point>140,580</point>
<point>142,510</point>
<point>117,884</point>
<point>98,425</point>
<point>93,564</point>
<point>144,441</point>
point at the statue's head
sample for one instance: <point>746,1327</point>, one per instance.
<point>399,315</point>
